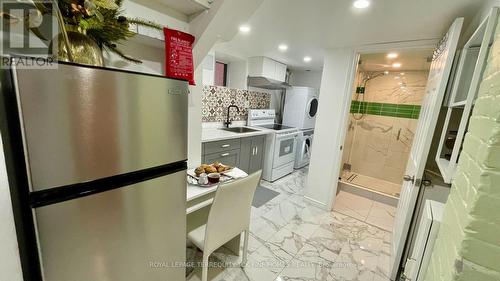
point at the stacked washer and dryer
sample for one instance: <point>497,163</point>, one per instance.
<point>301,107</point>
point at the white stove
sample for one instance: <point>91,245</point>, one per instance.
<point>280,146</point>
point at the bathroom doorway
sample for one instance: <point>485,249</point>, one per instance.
<point>387,94</point>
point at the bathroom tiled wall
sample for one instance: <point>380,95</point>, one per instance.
<point>215,101</point>
<point>396,88</point>
<point>468,244</point>
<point>378,142</point>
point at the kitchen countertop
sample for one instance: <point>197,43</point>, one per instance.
<point>216,134</point>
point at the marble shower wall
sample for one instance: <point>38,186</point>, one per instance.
<point>378,146</point>
<point>215,101</point>
<point>407,89</point>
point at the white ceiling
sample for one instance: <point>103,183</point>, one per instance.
<point>187,7</point>
<point>410,60</point>
<point>309,27</point>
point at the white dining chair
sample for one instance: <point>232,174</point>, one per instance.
<point>229,216</point>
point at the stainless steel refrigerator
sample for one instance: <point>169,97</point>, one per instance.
<point>98,157</point>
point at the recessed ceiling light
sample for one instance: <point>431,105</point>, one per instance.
<point>386,72</point>
<point>283,47</point>
<point>396,65</point>
<point>392,55</point>
<point>244,28</point>
<point>361,4</point>
<point>307,59</point>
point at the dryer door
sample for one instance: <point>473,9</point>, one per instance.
<point>310,114</point>
<point>312,107</point>
<point>307,148</point>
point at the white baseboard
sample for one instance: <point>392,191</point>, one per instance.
<point>317,203</point>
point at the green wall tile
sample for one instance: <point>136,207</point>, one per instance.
<point>386,109</point>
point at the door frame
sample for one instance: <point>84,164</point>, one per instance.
<point>363,50</point>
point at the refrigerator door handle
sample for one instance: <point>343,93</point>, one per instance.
<point>65,193</point>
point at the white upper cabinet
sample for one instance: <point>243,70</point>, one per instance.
<point>266,67</point>
<point>280,72</point>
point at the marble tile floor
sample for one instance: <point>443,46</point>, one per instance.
<point>366,210</point>
<point>291,240</point>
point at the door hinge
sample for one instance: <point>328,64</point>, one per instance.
<point>418,182</point>
<point>409,178</point>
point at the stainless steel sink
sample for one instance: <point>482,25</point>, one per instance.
<point>239,130</point>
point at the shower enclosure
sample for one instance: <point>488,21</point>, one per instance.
<point>382,122</point>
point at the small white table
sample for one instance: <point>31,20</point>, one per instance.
<point>194,193</point>
<point>199,199</point>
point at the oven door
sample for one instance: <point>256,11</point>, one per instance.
<point>284,150</point>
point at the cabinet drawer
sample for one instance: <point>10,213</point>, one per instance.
<point>231,158</point>
<point>220,146</point>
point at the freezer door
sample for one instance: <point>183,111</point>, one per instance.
<point>132,233</point>
<point>81,123</point>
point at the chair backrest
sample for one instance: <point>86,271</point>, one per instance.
<point>230,211</point>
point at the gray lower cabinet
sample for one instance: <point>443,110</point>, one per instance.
<point>245,153</point>
<point>252,153</point>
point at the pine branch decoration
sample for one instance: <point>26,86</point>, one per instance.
<point>103,21</point>
<point>142,22</point>
<point>106,4</point>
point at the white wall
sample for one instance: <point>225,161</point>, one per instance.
<point>153,58</point>
<point>194,122</point>
<point>237,73</point>
<point>10,265</point>
<point>328,136</point>
<point>154,11</point>
<point>208,69</point>
<point>303,78</point>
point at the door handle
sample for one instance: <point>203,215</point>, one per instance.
<point>224,154</point>
<point>409,178</point>
<point>427,183</point>
<point>256,150</point>
<point>225,145</point>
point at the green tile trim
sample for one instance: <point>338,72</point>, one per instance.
<point>408,111</point>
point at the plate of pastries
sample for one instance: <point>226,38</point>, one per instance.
<point>215,167</point>
<point>209,174</point>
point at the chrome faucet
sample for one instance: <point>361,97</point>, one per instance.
<point>228,120</point>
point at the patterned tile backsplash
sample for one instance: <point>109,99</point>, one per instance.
<point>215,101</point>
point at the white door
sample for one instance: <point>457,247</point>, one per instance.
<point>435,90</point>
